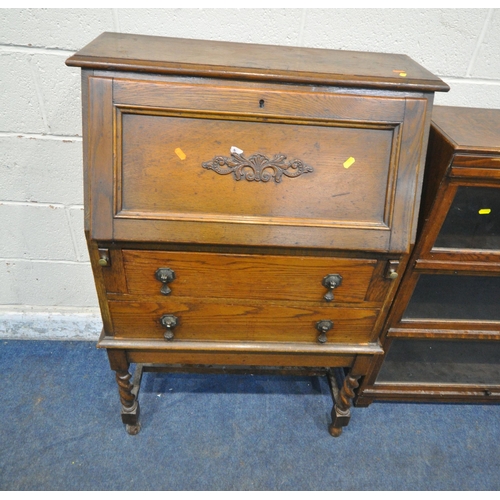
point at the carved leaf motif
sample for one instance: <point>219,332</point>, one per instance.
<point>258,167</point>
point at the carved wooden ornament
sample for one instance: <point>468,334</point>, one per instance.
<point>258,167</point>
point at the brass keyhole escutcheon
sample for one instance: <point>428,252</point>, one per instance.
<point>331,281</point>
<point>165,275</point>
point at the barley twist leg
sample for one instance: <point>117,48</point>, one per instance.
<point>341,412</point>
<point>130,404</point>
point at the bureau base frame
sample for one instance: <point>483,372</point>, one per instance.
<point>342,382</point>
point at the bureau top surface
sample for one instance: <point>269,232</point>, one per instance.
<point>153,54</point>
<point>469,129</point>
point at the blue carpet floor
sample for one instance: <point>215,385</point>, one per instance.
<point>61,430</point>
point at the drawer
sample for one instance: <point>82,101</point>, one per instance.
<point>259,166</point>
<point>240,321</point>
<point>248,277</point>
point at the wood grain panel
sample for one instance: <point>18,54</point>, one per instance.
<point>411,171</point>
<point>100,156</point>
<point>247,359</point>
<point>252,277</point>
<point>473,131</point>
<point>318,209</point>
<point>157,183</point>
<point>228,99</point>
<point>164,55</point>
<point>114,275</point>
<point>237,320</point>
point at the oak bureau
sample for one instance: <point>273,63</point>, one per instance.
<point>247,206</point>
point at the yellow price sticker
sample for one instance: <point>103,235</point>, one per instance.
<point>349,162</point>
<point>180,153</point>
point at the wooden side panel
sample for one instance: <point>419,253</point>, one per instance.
<point>100,156</point>
<point>438,160</point>
<point>411,170</point>
<point>86,74</point>
<point>114,274</point>
<point>380,285</point>
<point>100,286</point>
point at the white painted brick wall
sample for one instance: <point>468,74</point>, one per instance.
<point>76,223</point>
<point>44,270</point>
<point>427,37</point>
<point>59,88</point>
<point>49,283</point>
<point>19,100</point>
<point>487,64</point>
<point>35,231</point>
<point>67,29</point>
<point>41,169</point>
<point>269,26</point>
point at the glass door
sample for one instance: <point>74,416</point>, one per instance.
<point>472,221</point>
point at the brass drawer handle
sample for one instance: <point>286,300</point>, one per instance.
<point>331,281</point>
<point>165,275</point>
<point>323,326</point>
<point>169,321</point>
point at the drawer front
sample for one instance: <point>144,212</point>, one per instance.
<point>250,277</point>
<point>253,166</point>
<point>238,321</point>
